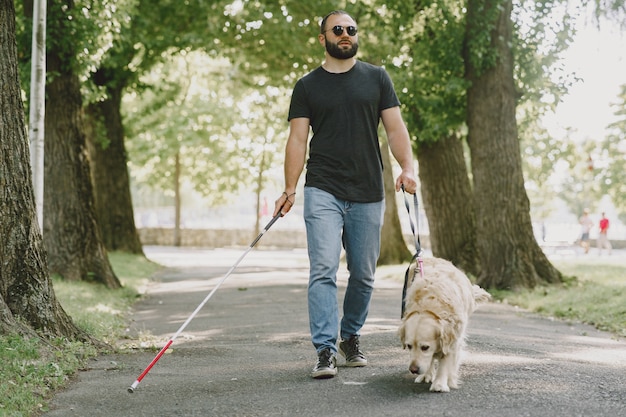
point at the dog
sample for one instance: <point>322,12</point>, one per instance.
<point>437,310</point>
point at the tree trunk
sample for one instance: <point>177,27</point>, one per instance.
<point>262,211</point>
<point>177,200</point>
<point>257,192</point>
<point>447,194</point>
<point>27,299</point>
<point>71,232</point>
<point>109,172</point>
<point>509,253</point>
<point>393,248</point>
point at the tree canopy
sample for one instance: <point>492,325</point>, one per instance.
<point>205,85</point>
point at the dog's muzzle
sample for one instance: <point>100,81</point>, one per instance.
<point>415,370</point>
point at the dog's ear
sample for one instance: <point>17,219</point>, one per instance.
<point>446,336</point>
<point>402,334</point>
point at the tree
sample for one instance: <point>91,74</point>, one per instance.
<point>147,29</point>
<point>27,299</point>
<point>261,112</point>
<point>429,73</point>
<point>194,120</point>
<point>71,233</point>
<point>592,166</point>
<point>109,175</point>
<point>394,250</point>
<point>448,201</point>
<point>613,151</point>
<point>510,255</point>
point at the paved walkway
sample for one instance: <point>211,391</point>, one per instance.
<point>248,353</point>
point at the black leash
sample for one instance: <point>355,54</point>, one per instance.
<point>418,247</point>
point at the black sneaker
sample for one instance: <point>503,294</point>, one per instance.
<point>349,349</point>
<point>326,365</point>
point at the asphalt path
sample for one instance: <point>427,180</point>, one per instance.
<point>248,353</point>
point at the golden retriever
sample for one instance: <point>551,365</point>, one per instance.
<point>438,307</point>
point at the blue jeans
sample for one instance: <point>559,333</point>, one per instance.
<point>331,223</point>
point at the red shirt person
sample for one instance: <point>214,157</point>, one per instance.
<point>603,240</point>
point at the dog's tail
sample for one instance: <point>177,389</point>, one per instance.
<point>480,295</point>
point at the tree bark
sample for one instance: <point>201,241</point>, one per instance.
<point>447,195</point>
<point>27,299</point>
<point>177,200</point>
<point>510,256</point>
<point>109,173</point>
<point>71,233</point>
<point>393,248</point>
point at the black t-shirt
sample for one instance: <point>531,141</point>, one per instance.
<point>344,111</point>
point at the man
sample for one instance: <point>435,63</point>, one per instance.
<point>603,240</point>
<point>343,101</point>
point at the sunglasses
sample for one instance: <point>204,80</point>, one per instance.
<point>338,30</point>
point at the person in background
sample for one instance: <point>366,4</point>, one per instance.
<point>586,224</point>
<point>603,240</point>
<point>342,102</point>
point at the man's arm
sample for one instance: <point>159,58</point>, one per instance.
<point>295,155</point>
<point>400,145</point>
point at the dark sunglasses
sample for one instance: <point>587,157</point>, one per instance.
<point>338,30</point>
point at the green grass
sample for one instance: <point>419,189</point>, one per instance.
<point>594,293</point>
<point>30,369</point>
<point>102,312</point>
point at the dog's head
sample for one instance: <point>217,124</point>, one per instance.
<point>426,337</point>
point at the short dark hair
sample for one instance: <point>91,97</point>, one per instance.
<point>334,12</point>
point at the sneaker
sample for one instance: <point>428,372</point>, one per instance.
<point>349,349</point>
<point>326,365</point>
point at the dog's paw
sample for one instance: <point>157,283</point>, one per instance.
<point>438,386</point>
<point>431,374</point>
<point>420,379</point>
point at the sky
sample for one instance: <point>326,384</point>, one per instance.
<point>599,58</point>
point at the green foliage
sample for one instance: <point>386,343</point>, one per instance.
<point>82,31</point>
<point>479,47</point>
<point>195,96</point>
<point>157,29</point>
<point>195,109</point>
<point>117,43</point>
<point>611,9</point>
<point>428,67</point>
<point>612,152</point>
<point>279,37</point>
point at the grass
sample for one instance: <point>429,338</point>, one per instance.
<point>100,311</point>
<point>30,369</point>
<point>593,293</point>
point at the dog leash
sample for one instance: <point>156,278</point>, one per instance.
<point>418,247</point>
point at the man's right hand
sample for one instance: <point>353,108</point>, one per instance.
<point>284,203</point>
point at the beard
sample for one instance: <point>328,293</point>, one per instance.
<point>337,52</point>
